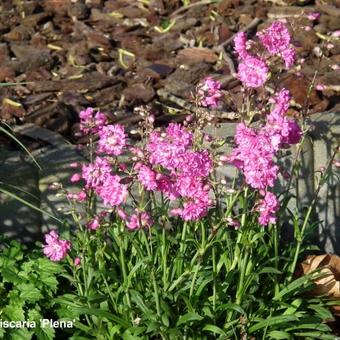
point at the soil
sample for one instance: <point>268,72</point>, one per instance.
<point>118,55</point>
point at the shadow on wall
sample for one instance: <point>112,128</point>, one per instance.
<point>25,180</point>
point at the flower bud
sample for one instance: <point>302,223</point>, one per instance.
<point>77,261</point>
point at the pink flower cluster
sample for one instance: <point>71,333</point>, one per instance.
<point>168,164</point>
<point>253,70</point>
<point>90,122</point>
<point>140,219</point>
<point>112,140</point>
<point>172,151</point>
<point>268,206</point>
<point>256,149</point>
<point>276,39</point>
<point>209,92</point>
<point>55,248</point>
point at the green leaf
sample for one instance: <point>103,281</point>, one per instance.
<point>49,266</point>
<point>293,287</point>
<point>324,313</point>
<point>269,270</point>
<point>128,336</point>
<point>279,335</point>
<point>45,333</point>
<point>14,312</point>
<point>272,321</point>
<point>313,325</point>
<point>315,335</point>
<point>293,306</point>
<point>101,314</point>
<point>213,329</point>
<point>49,280</point>
<point>232,306</point>
<point>21,334</point>
<point>137,299</point>
<point>29,292</point>
<point>188,317</point>
<point>10,276</point>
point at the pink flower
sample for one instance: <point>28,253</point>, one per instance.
<point>95,173</point>
<point>112,192</point>
<point>240,42</point>
<point>288,56</point>
<point>166,149</point>
<point>189,186</point>
<point>77,261</point>
<point>320,87</point>
<point>254,156</point>
<point>94,224</point>
<point>210,92</point>
<point>81,196</point>
<point>167,185</point>
<point>90,123</point>
<point>74,165</point>
<point>112,140</point>
<point>313,16</point>
<point>275,38</point>
<point>252,71</point>
<point>75,178</point>
<point>121,213</point>
<point>200,163</point>
<point>55,248</point>
<point>195,209</point>
<point>139,220</point>
<point>233,223</point>
<point>279,127</point>
<point>147,177</point>
<point>268,207</point>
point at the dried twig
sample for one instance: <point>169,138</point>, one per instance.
<point>221,47</point>
<point>185,8</point>
<point>250,26</point>
<point>185,105</point>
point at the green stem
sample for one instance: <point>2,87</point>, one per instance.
<point>123,266</point>
<point>155,287</point>
<point>214,278</point>
<point>181,250</point>
<point>164,260</point>
<point>239,292</point>
<point>276,253</point>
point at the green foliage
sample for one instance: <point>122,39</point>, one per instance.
<point>28,284</point>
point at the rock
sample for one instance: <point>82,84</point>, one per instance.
<point>19,33</point>
<point>224,33</point>
<point>4,53</point>
<point>161,69</point>
<point>298,87</point>
<point>194,55</point>
<point>6,73</point>
<point>57,7</point>
<point>139,92</point>
<point>87,82</point>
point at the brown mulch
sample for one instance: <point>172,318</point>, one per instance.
<point>119,54</point>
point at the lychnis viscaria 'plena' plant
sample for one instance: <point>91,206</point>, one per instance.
<point>161,247</point>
